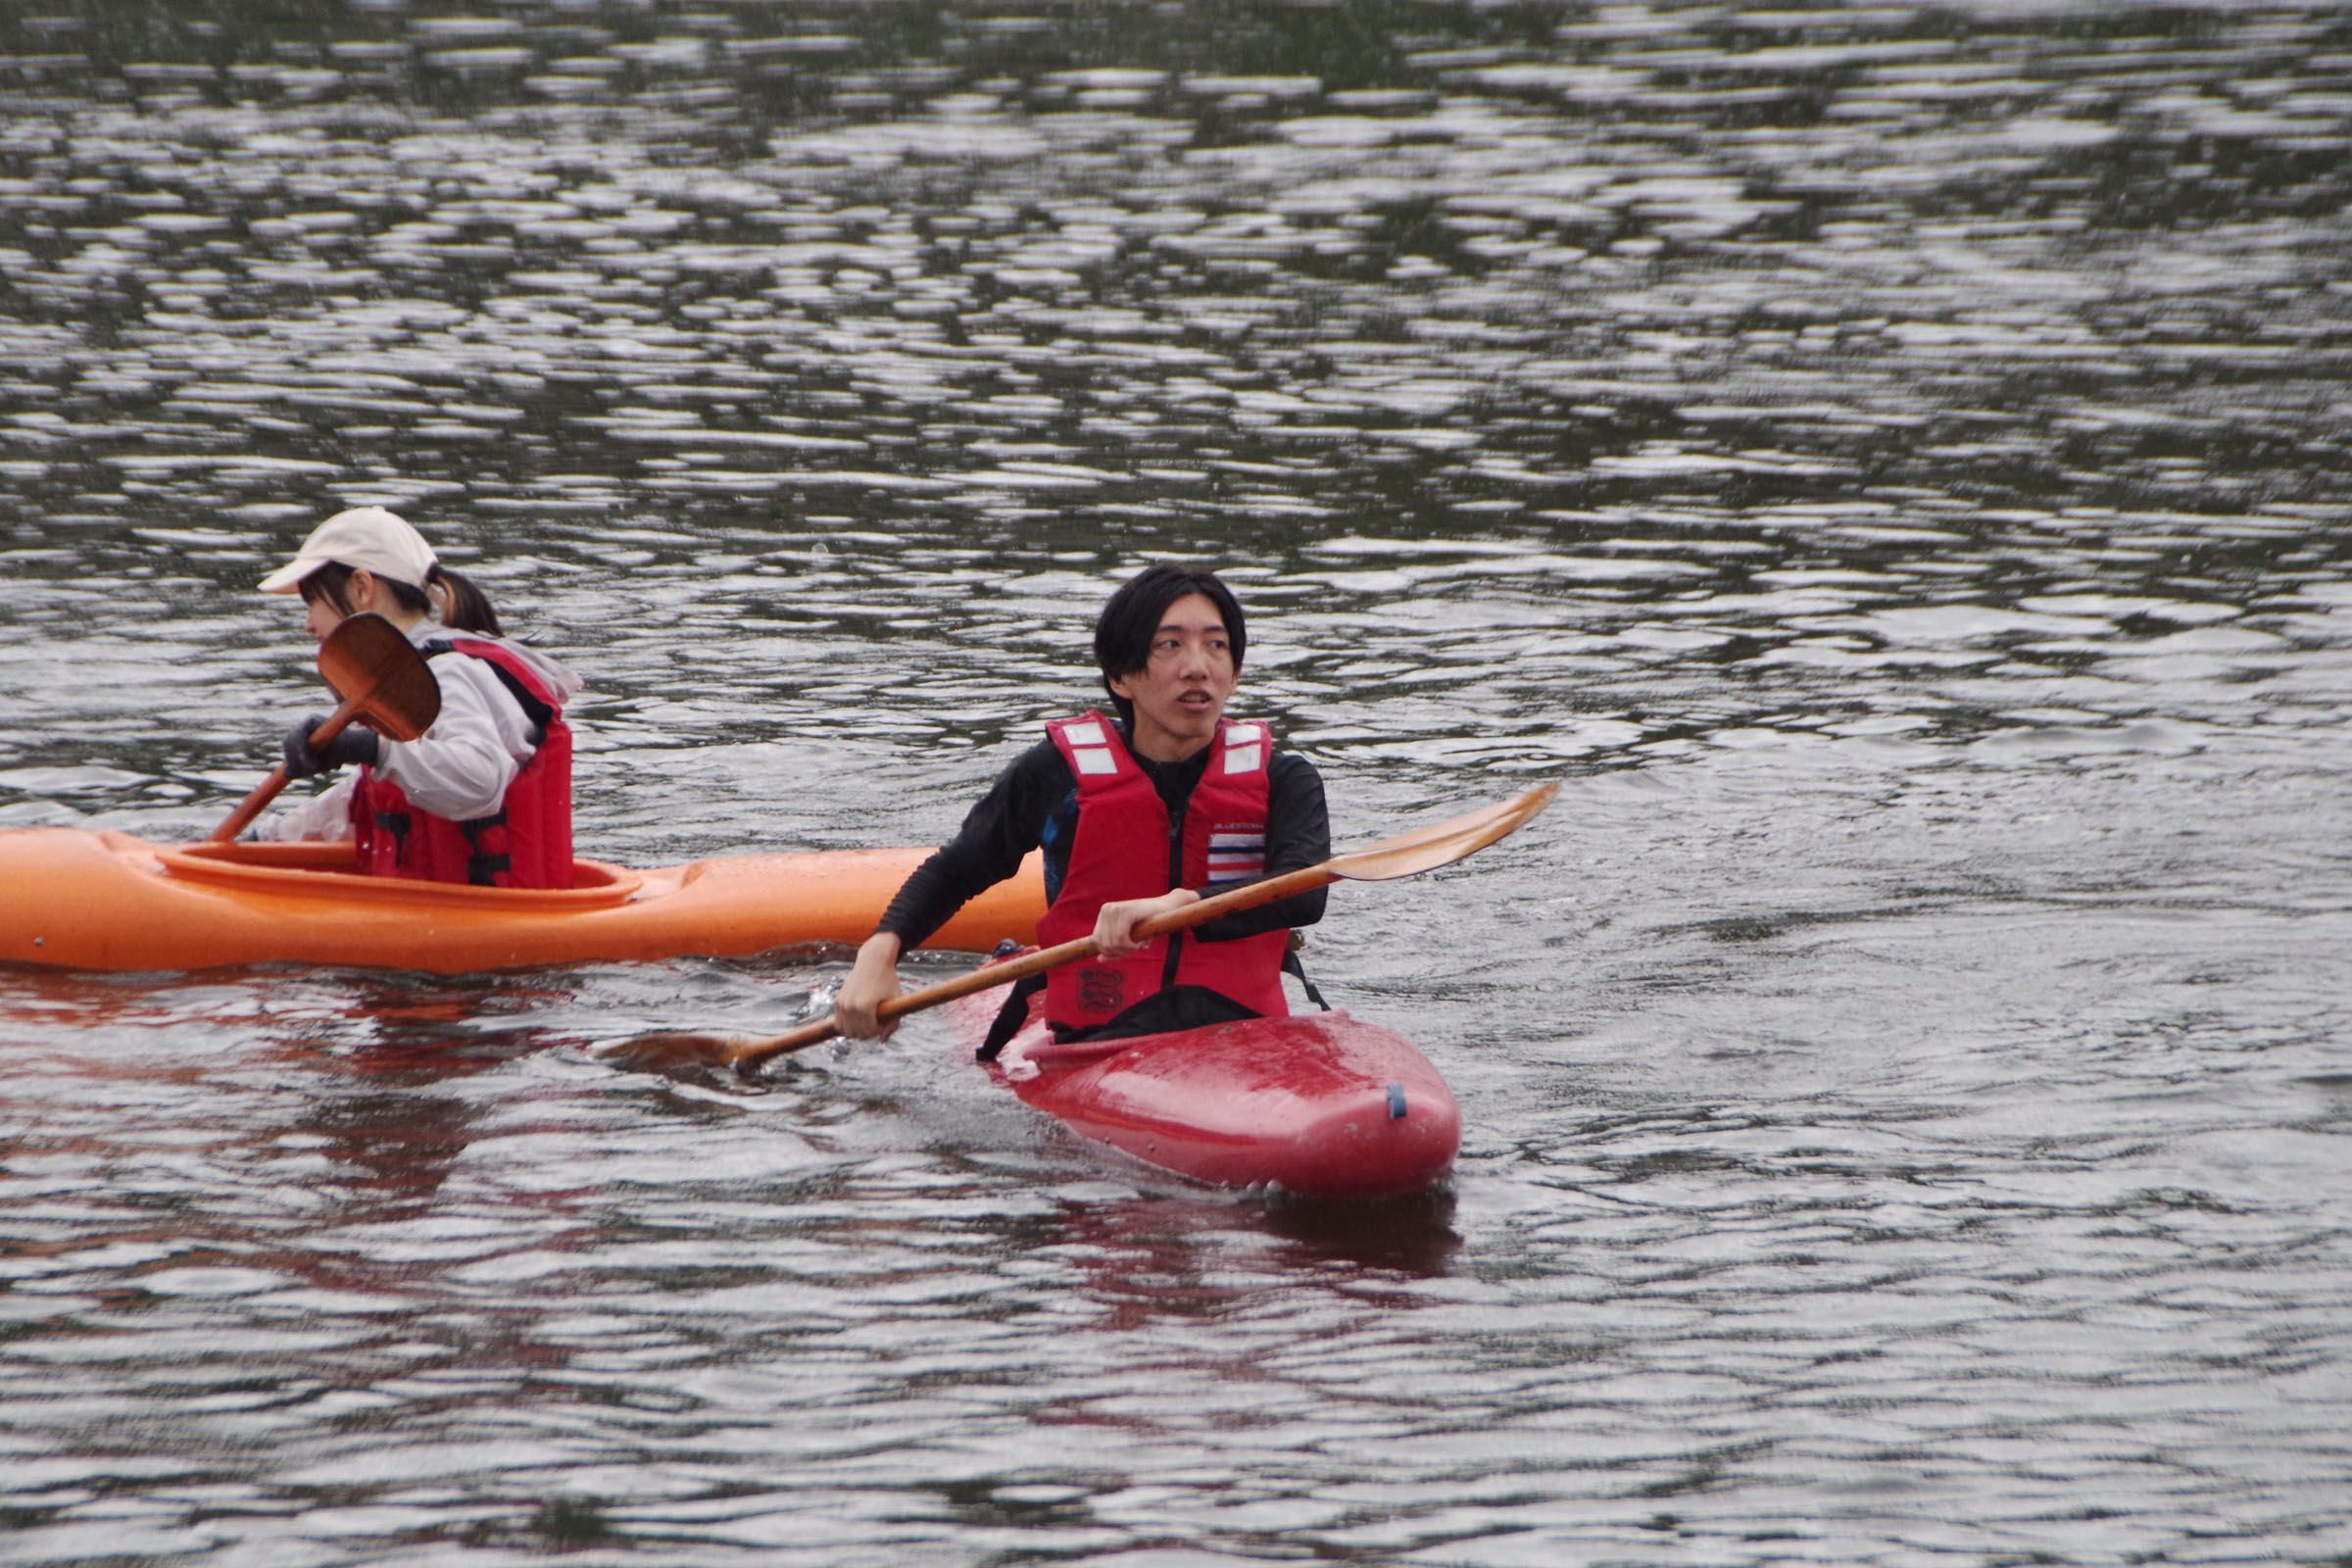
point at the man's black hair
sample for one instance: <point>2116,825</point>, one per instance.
<point>1124,631</point>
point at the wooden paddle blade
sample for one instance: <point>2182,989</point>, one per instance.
<point>381,678</point>
<point>670,1051</point>
<point>1426,849</point>
<point>369,661</point>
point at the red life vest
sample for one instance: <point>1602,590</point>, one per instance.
<point>526,842</point>
<point>1125,847</point>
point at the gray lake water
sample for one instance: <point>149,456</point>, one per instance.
<point>1887,462</point>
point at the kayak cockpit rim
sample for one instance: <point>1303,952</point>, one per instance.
<point>331,870</point>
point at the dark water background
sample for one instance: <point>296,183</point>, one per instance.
<point>1887,461</point>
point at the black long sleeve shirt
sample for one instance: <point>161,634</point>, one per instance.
<point>1034,804</point>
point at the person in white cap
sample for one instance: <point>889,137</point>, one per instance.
<point>484,796</point>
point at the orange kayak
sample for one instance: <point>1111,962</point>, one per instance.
<point>79,899</point>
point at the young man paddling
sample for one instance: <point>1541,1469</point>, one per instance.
<point>1135,818</point>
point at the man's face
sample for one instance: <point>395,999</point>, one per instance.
<point>1181,692</point>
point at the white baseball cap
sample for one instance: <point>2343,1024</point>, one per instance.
<point>367,538</point>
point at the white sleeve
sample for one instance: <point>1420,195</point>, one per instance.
<point>325,817</point>
<point>461,767</point>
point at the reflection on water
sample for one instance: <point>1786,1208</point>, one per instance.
<point>1887,461</point>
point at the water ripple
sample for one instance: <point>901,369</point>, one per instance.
<point>1886,463</point>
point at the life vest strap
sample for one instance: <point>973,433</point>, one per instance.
<point>535,708</point>
<point>1297,971</point>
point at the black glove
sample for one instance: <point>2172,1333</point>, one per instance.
<point>355,744</point>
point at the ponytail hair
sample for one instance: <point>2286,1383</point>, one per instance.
<point>463,606</point>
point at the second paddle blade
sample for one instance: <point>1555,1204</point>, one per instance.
<point>368,660</point>
<point>670,1051</point>
<point>1442,843</point>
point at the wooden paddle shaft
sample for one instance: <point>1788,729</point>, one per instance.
<point>1405,854</point>
<point>267,791</point>
<point>989,975</point>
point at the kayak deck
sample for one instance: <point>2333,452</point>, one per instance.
<point>101,900</point>
<point>1318,1105</point>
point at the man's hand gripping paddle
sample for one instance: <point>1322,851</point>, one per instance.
<point>381,678</point>
<point>1407,854</point>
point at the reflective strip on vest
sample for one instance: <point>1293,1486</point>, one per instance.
<point>1088,748</point>
<point>1246,748</point>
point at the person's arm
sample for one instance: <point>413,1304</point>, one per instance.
<point>873,980</point>
<point>325,817</point>
<point>1008,823</point>
<point>1298,835</point>
<point>461,767</point>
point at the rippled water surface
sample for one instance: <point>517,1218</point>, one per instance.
<point>1887,461</point>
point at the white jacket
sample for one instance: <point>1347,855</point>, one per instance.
<point>459,768</point>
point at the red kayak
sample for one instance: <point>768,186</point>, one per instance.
<point>1318,1105</point>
